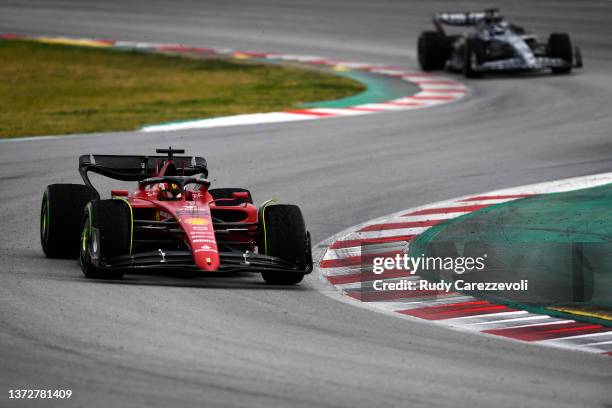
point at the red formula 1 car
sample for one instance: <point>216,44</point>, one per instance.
<point>171,221</point>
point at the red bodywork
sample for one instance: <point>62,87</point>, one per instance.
<point>194,211</point>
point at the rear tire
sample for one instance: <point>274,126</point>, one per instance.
<point>285,237</point>
<point>560,46</point>
<point>433,50</point>
<point>217,193</point>
<point>113,219</point>
<point>60,219</point>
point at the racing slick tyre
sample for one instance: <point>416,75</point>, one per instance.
<point>433,50</point>
<point>106,232</point>
<point>60,219</point>
<point>217,193</point>
<point>560,46</point>
<point>284,236</point>
<point>470,59</point>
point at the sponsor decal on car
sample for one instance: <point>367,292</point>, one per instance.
<point>192,211</point>
<point>210,241</point>
<point>196,221</point>
<point>201,233</point>
<point>205,250</point>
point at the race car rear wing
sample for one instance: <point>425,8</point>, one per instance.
<point>136,168</point>
<point>464,19</point>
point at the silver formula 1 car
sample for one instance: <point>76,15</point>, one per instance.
<point>494,44</point>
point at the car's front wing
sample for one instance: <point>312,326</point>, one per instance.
<point>517,64</point>
<point>183,260</point>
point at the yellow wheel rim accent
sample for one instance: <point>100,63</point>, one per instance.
<point>263,222</point>
<point>84,237</point>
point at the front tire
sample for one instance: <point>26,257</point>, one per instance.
<point>285,237</point>
<point>560,46</point>
<point>433,50</point>
<point>113,221</point>
<point>60,219</point>
<point>470,59</point>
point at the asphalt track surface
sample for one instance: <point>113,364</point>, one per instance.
<point>166,341</point>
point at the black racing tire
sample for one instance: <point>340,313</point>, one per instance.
<point>217,193</point>
<point>284,236</point>
<point>560,46</point>
<point>60,219</point>
<point>113,219</point>
<point>433,50</point>
<point>470,55</point>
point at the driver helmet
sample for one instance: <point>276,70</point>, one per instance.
<point>171,191</point>
<point>499,28</point>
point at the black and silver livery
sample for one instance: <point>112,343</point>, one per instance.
<point>493,44</point>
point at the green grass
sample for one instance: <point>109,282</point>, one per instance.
<point>60,89</point>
